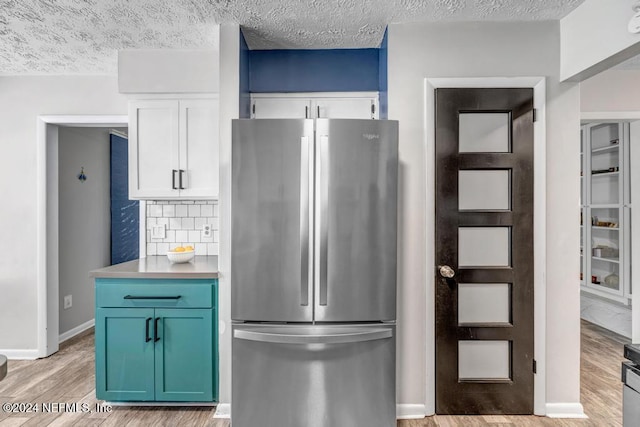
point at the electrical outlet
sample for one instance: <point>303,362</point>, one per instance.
<point>206,230</point>
<point>158,232</point>
<point>68,302</point>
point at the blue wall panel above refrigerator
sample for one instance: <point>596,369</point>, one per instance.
<point>321,70</point>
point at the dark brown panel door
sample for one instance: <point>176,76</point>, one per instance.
<point>484,251</point>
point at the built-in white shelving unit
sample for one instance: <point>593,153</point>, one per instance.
<point>605,240</point>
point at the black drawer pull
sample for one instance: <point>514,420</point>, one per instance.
<point>146,334</point>
<point>151,297</point>
<point>156,338</point>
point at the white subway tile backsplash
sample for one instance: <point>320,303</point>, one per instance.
<point>199,222</point>
<point>184,220</point>
<point>168,211</point>
<point>206,210</point>
<point>182,210</point>
<point>216,236</point>
<point>151,222</point>
<point>175,223</point>
<point>194,210</point>
<point>201,249</point>
<point>155,210</point>
<point>182,235</point>
<point>194,236</point>
<point>151,248</point>
<point>216,211</point>
<point>162,248</point>
<point>188,223</point>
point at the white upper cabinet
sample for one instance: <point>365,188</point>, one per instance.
<point>335,105</point>
<point>280,108</point>
<point>173,149</point>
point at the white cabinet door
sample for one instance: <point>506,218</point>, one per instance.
<point>153,149</point>
<point>345,108</point>
<point>281,108</point>
<point>173,149</point>
<point>199,148</point>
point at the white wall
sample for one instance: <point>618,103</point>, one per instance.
<point>183,70</point>
<point>611,91</point>
<point>22,99</point>
<point>84,219</point>
<point>229,109</point>
<point>443,50</point>
<point>595,38</point>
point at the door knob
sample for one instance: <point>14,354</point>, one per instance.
<point>446,271</point>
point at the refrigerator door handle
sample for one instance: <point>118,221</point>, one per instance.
<point>324,220</point>
<point>304,221</point>
<point>349,337</point>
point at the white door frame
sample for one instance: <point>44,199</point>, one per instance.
<point>47,220</point>
<point>538,84</point>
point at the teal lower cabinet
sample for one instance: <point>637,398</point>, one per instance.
<point>161,345</point>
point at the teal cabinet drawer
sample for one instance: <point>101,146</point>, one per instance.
<point>140,293</point>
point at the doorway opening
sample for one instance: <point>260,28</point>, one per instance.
<point>49,237</point>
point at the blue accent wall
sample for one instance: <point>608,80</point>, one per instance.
<point>245,97</point>
<point>382,77</point>
<point>125,213</point>
<point>335,70</point>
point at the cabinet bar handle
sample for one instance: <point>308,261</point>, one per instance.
<point>318,112</point>
<point>306,112</point>
<point>173,179</point>
<point>146,334</point>
<point>151,297</point>
<point>156,338</point>
<point>180,180</point>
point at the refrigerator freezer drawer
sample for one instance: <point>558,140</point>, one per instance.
<point>313,376</point>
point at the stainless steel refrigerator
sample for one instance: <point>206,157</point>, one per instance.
<point>313,272</point>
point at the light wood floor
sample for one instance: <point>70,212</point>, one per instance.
<point>68,376</point>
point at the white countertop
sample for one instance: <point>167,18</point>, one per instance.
<point>159,267</point>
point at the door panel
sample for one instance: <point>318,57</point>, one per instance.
<point>124,354</point>
<point>356,190</point>
<point>153,147</point>
<point>293,376</point>
<point>184,355</point>
<point>199,148</point>
<point>270,252</point>
<point>281,108</point>
<point>484,232</point>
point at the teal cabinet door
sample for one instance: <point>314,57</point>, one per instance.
<point>184,355</point>
<point>124,354</point>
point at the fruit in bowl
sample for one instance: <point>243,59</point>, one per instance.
<point>181,254</point>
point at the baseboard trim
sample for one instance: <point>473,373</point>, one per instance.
<point>19,354</point>
<point>406,411</point>
<point>223,411</point>
<point>565,410</point>
<point>75,331</point>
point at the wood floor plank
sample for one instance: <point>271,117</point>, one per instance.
<point>69,376</point>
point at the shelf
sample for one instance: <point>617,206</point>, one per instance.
<point>605,293</point>
<point>605,228</point>
<point>611,260</point>
<point>605,149</point>
<point>615,173</point>
<point>607,206</point>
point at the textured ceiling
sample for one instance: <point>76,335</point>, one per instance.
<point>83,36</point>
